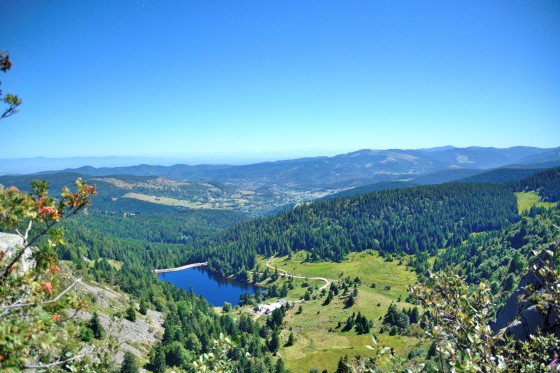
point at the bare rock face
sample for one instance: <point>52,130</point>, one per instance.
<point>534,320</point>
<point>10,244</point>
<point>520,317</point>
<point>517,331</point>
<point>136,337</point>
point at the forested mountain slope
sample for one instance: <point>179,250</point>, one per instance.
<point>412,221</point>
<point>419,219</point>
<point>501,257</point>
<point>545,183</point>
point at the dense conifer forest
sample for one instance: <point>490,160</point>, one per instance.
<point>402,221</point>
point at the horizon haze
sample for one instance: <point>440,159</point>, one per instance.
<point>22,166</point>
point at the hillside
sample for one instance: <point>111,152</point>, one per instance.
<point>411,220</point>
<point>148,194</point>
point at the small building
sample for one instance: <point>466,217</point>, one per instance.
<point>268,308</point>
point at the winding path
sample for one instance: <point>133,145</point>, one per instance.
<point>285,273</point>
<point>192,265</point>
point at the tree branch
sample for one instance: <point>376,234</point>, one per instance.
<point>42,233</point>
<point>24,236</point>
<point>12,306</point>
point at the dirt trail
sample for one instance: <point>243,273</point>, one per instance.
<point>285,273</point>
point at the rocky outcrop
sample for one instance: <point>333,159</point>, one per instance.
<point>524,315</point>
<point>10,244</point>
<point>136,337</point>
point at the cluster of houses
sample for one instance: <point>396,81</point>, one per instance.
<point>268,308</point>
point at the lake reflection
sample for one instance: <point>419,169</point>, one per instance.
<point>215,289</point>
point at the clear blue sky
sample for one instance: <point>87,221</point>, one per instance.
<point>278,77</point>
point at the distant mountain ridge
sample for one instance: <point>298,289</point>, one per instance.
<point>353,169</point>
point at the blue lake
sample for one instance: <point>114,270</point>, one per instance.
<point>215,289</point>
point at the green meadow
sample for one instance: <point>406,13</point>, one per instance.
<point>320,341</point>
<point>526,200</point>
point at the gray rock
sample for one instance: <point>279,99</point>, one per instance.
<point>136,337</point>
<point>519,306</point>
<point>516,330</point>
<point>10,244</point>
<point>9,241</point>
<point>509,312</point>
<point>534,320</point>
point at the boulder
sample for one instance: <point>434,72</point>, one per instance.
<point>516,330</point>
<point>520,317</point>
<point>534,320</point>
<point>10,244</point>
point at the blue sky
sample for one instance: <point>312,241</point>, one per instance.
<point>263,79</point>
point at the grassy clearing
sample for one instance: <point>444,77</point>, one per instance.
<point>367,265</point>
<point>170,201</point>
<point>113,263</point>
<point>525,200</point>
<point>319,341</point>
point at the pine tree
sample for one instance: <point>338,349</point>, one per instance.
<point>291,340</point>
<point>279,366</point>
<point>328,298</point>
<point>143,307</point>
<point>350,301</point>
<point>131,313</point>
<point>343,365</point>
<point>129,364</point>
<point>414,315</point>
<point>96,327</point>
<point>274,343</point>
<point>158,360</point>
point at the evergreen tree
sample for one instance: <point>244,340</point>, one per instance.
<point>143,309</point>
<point>350,301</point>
<point>96,327</point>
<point>291,340</point>
<point>158,360</point>
<point>176,355</point>
<point>274,343</point>
<point>414,315</point>
<point>329,298</point>
<point>349,324</point>
<point>129,364</point>
<point>279,366</point>
<point>131,313</point>
<point>343,365</point>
